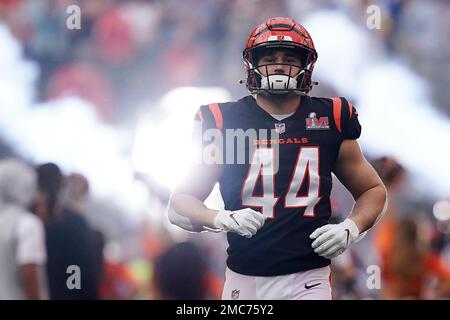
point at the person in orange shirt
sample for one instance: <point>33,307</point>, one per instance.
<point>394,177</point>
<point>406,260</point>
<point>410,263</point>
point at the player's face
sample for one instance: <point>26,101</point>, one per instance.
<point>279,62</point>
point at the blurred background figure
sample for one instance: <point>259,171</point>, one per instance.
<point>69,239</point>
<point>412,270</point>
<point>76,197</point>
<point>394,176</point>
<point>182,273</point>
<point>22,242</point>
<point>48,204</point>
<point>118,282</point>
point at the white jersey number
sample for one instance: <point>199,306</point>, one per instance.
<point>262,166</point>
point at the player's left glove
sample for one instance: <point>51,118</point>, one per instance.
<point>333,239</point>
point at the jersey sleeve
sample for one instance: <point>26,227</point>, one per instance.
<point>207,118</point>
<point>352,127</point>
<point>346,119</point>
<point>208,124</point>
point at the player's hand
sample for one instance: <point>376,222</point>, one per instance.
<point>244,222</point>
<point>333,239</point>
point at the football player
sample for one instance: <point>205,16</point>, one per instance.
<point>277,201</point>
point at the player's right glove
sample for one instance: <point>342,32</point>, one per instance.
<point>244,222</point>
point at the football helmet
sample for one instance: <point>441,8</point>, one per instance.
<point>282,33</point>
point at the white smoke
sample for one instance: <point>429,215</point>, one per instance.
<point>64,131</point>
<point>167,159</point>
<point>394,104</point>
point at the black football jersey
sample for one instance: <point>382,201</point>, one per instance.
<point>286,176</point>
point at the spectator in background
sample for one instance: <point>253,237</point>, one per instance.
<point>118,282</point>
<point>406,257</point>
<point>410,263</point>
<point>181,273</point>
<point>113,38</point>
<point>75,202</point>
<point>22,243</point>
<point>393,176</point>
<point>86,81</point>
<point>48,205</point>
<point>68,238</point>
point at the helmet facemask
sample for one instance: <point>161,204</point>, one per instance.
<point>297,80</point>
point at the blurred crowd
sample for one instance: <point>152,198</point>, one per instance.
<point>49,249</point>
<point>130,52</point>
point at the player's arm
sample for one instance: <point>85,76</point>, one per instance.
<point>358,176</point>
<point>186,208</point>
<point>366,187</point>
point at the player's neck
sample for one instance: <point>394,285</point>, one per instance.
<point>278,104</point>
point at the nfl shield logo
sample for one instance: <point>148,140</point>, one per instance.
<point>235,294</point>
<point>280,127</point>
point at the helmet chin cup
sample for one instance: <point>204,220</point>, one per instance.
<point>278,83</point>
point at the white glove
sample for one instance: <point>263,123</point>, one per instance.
<point>244,222</point>
<point>333,239</point>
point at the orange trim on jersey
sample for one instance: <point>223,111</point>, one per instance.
<point>215,109</point>
<point>350,107</point>
<point>337,106</point>
<point>199,115</point>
